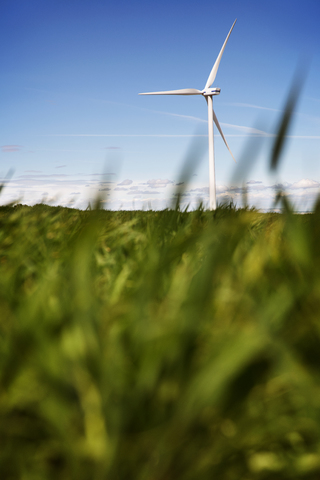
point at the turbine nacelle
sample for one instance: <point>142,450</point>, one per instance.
<point>208,92</point>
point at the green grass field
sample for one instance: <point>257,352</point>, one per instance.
<point>159,345</point>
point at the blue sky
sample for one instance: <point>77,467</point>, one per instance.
<point>73,126</point>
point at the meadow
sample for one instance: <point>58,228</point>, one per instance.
<point>160,345</point>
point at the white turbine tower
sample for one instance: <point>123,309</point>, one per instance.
<point>208,93</point>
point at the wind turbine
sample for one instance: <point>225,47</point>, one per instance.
<point>208,92</point>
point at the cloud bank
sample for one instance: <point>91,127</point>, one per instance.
<point>67,190</point>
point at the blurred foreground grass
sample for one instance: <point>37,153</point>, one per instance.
<point>159,345</point>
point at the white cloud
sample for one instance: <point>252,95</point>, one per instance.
<point>202,189</point>
<point>126,182</point>
<point>257,186</point>
<point>280,186</point>
<point>158,183</point>
<point>144,192</point>
<point>305,183</point>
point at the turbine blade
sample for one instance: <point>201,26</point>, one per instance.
<point>220,131</point>
<point>183,91</point>
<point>215,67</point>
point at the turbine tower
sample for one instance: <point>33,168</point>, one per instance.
<point>208,92</point>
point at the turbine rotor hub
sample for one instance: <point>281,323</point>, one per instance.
<point>209,92</point>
